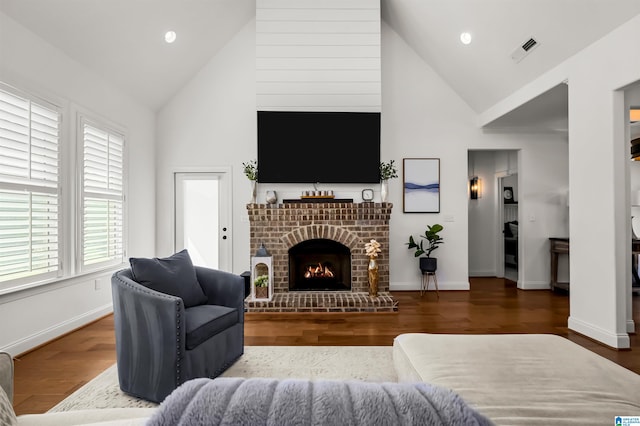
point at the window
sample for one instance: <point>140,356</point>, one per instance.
<point>102,197</point>
<point>29,188</point>
<point>44,186</point>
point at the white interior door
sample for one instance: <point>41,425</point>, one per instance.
<point>202,218</point>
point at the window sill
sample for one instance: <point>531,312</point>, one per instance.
<point>59,282</point>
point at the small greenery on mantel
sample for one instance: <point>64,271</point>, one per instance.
<point>388,170</point>
<point>251,170</point>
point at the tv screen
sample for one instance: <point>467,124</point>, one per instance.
<point>324,147</point>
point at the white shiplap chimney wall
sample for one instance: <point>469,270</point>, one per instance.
<point>318,55</point>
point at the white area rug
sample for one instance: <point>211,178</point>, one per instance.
<point>367,363</point>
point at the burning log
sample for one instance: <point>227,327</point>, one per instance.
<point>318,271</point>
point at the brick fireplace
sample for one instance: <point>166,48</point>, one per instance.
<point>348,226</point>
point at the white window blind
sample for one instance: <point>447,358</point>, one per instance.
<point>102,196</point>
<point>29,188</point>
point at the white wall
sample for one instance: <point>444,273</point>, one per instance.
<point>598,120</point>
<point>211,122</point>
<point>33,316</point>
<point>598,171</point>
<point>423,117</point>
<point>632,98</point>
<point>318,56</point>
<point>483,227</point>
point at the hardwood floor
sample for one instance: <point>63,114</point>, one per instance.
<point>47,375</point>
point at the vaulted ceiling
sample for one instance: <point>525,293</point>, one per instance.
<point>122,40</point>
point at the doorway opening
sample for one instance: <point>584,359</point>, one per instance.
<point>510,229</point>
<point>494,237</point>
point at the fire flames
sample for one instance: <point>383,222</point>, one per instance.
<point>318,271</point>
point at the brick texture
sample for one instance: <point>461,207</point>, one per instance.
<point>282,226</point>
<point>324,302</point>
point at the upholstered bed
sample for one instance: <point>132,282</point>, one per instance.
<point>527,379</point>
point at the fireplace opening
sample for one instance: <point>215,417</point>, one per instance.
<point>319,265</point>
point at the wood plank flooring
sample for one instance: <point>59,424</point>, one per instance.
<point>49,374</point>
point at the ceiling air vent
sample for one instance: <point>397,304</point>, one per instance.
<point>524,49</point>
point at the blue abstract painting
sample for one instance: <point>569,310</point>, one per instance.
<point>421,177</point>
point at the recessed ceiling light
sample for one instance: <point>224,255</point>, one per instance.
<point>170,36</point>
<point>465,38</point>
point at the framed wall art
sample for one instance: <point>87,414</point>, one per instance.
<point>421,185</point>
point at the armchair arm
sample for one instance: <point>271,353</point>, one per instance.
<point>222,288</point>
<point>150,337</point>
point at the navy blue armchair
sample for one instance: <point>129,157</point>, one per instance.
<point>160,344</point>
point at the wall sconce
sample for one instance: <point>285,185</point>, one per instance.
<point>475,188</point>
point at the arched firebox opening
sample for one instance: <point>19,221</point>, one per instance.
<point>319,265</point>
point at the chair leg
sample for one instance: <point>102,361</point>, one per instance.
<point>435,281</point>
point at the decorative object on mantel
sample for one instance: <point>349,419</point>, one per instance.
<point>367,195</point>
<point>427,264</point>
<point>387,171</point>
<point>251,172</point>
<point>272,197</point>
<point>372,248</point>
<point>317,194</point>
<point>261,275</point>
<point>325,195</point>
<point>421,185</point>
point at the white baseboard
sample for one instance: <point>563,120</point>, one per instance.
<point>615,340</point>
<point>415,285</point>
<point>482,273</point>
<point>26,344</point>
<point>631,326</point>
<point>533,285</point>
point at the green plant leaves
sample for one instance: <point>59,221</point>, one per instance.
<point>431,235</point>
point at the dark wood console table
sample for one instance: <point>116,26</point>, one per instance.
<point>561,246</point>
<point>557,246</point>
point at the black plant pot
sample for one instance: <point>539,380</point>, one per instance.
<point>428,264</point>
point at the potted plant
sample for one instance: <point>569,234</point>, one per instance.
<point>387,171</point>
<point>251,172</point>
<point>261,284</point>
<point>428,263</point>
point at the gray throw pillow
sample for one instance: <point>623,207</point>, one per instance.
<point>173,275</point>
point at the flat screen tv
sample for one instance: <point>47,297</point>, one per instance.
<point>324,147</point>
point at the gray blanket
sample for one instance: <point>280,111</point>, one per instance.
<point>237,401</point>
